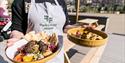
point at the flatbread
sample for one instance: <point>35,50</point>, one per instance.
<point>31,36</point>
<point>41,36</point>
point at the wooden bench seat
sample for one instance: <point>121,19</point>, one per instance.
<point>100,27</point>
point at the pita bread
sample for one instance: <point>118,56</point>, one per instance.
<point>42,36</point>
<point>30,36</point>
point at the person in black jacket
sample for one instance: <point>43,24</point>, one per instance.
<point>20,17</point>
<point>38,15</point>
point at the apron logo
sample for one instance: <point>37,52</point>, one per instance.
<point>48,19</point>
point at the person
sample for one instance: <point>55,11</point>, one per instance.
<point>49,16</point>
<point>3,13</point>
<point>3,7</point>
<point>20,16</point>
<point>4,20</point>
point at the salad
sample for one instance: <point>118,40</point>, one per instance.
<point>39,46</point>
<point>85,34</point>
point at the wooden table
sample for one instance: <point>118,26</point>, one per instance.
<point>92,56</point>
<point>88,21</point>
<point>67,45</point>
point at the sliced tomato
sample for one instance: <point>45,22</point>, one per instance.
<point>19,57</point>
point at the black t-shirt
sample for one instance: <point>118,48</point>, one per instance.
<point>19,15</point>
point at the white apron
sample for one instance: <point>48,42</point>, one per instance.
<point>46,17</point>
<point>49,18</point>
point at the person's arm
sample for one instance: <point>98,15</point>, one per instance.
<point>67,23</point>
<point>19,18</point>
<point>64,6</point>
<point>17,22</point>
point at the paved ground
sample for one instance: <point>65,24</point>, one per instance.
<point>114,51</point>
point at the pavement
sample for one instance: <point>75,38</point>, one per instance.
<point>115,50</point>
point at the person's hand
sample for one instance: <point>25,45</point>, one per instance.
<point>14,36</point>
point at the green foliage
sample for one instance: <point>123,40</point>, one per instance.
<point>111,8</point>
<point>83,9</point>
<point>123,9</point>
<point>99,9</point>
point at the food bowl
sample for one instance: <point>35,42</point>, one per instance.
<point>87,42</point>
<point>12,50</point>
